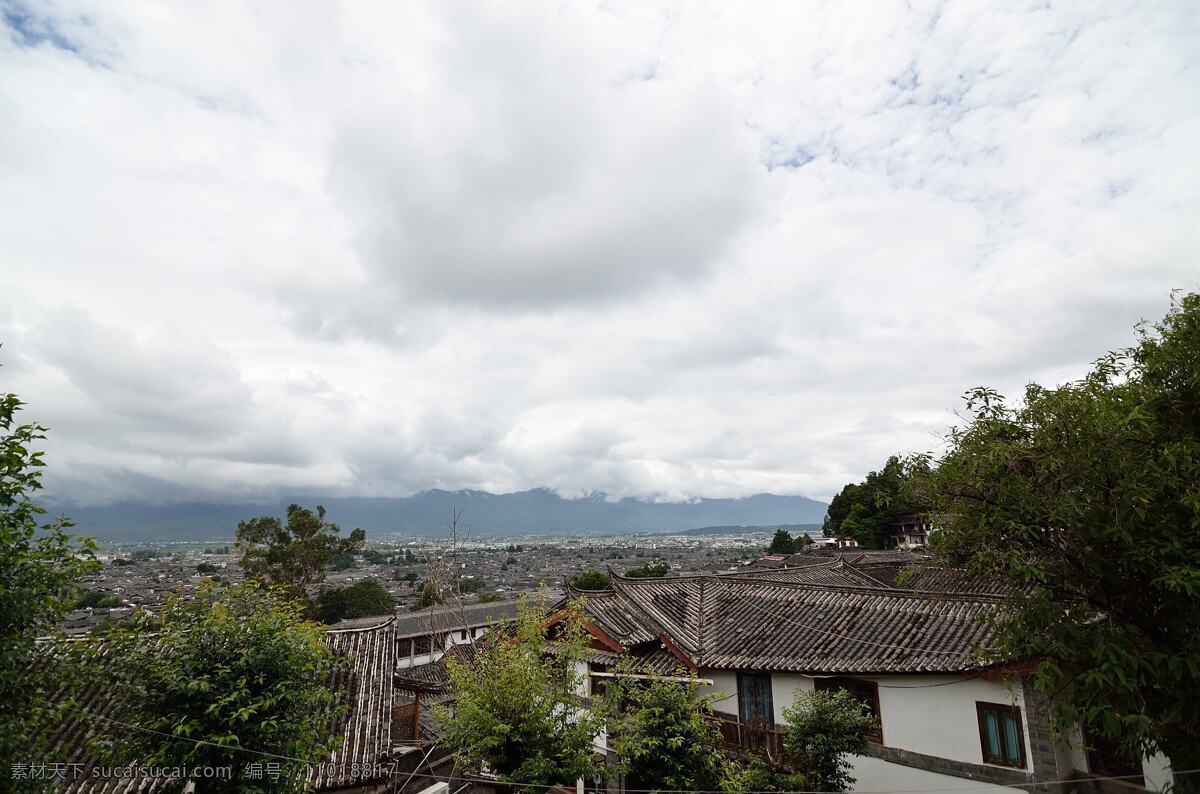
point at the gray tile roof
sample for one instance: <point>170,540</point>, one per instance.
<point>366,729</point>
<point>756,622</point>
<point>437,619</point>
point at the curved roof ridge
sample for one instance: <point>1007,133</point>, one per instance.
<point>372,627</point>
<point>890,590</point>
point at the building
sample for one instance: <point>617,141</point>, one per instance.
<point>946,710</point>
<point>425,636</point>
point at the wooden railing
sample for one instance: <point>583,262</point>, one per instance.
<point>755,737</point>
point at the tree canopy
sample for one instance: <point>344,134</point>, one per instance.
<point>661,735</point>
<point>232,666</point>
<point>782,542</point>
<point>516,707</point>
<point>1085,499</point>
<point>864,510</point>
<point>293,555</point>
<point>649,570</point>
<point>40,563</point>
<point>591,580</point>
<point>360,600</point>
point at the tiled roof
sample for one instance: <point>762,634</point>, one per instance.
<point>756,622</point>
<point>366,729</point>
<point>830,571</point>
<point>436,619</point>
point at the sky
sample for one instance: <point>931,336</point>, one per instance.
<point>663,250</point>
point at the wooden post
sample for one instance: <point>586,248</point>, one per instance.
<point>416,717</point>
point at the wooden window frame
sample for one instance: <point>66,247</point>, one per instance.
<point>840,682</point>
<point>981,707</point>
<point>404,647</point>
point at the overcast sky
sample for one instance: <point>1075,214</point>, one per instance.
<point>656,250</point>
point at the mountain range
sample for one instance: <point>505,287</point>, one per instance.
<point>539,511</point>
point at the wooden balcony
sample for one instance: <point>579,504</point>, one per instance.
<point>749,738</point>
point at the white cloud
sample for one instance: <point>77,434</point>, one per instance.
<point>668,250</point>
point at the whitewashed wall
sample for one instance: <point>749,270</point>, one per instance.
<point>934,720</point>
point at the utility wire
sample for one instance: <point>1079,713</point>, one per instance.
<point>490,781</point>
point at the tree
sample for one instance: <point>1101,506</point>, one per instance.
<point>471,585</point>
<point>823,728</point>
<point>1085,499</point>
<point>782,543</point>
<point>430,596</point>
<point>360,600</point>
<point>865,510</point>
<point>661,736</point>
<point>648,571</point>
<point>591,580</point>
<point>40,564</point>
<point>206,567</point>
<point>516,706</point>
<point>97,599</point>
<point>233,667</point>
<point>294,555</point>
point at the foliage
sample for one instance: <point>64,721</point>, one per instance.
<point>648,571</point>
<point>488,598</point>
<point>516,708</point>
<point>471,585</point>
<point>823,728</point>
<point>40,562</point>
<point>591,580</point>
<point>865,510</point>
<point>121,562</point>
<point>294,555</point>
<point>97,599</point>
<point>661,736</point>
<point>1086,499</point>
<point>782,542</point>
<point>761,775</point>
<point>232,666</point>
<point>430,596</point>
<point>360,600</point>
<point>342,562</point>
<point>206,567</point>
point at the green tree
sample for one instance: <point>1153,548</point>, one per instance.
<point>782,543</point>
<point>648,571</point>
<point>471,585</point>
<point>591,580</point>
<point>1085,499</point>
<point>97,599</point>
<point>206,567</point>
<point>40,565</point>
<point>232,667</point>
<point>661,736</point>
<point>360,600</point>
<point>865,510</point>
<point>293,555</point>
<point>516,707</point>
<point>823,729</point>
<point>430,596</point>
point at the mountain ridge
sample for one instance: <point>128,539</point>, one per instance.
<point>537,511</point>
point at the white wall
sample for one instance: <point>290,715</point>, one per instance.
<point>873,775</point>
<point>724,685</point>
<point>783,691</point>
<point>933,720</point>
<point>1157,771</point>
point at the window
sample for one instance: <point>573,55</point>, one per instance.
<point>404,647</point>
<point>1000,734</point>
<point>462,635</point>
<point>866,692</point>
<point>421,645</point>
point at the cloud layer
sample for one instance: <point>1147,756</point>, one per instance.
<point>665,250</point>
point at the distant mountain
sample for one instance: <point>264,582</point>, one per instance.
<point>740,529</point>
<point>536,512</point>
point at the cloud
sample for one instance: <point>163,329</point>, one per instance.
<point>658,250</point>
